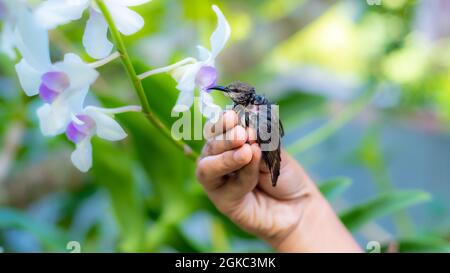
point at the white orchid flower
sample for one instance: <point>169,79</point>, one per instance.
<point>191,73</point>
<point>62,86</point>
<point>53,13</point>
<point>8,11</point>
<point>93,121</point>
<point>202,73</point>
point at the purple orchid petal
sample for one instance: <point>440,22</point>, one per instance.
<point>77,132</point>
<point>46,94</point>
<point>56,81</point>
<point>73,134</point>
<point>88,123</point>
<point>53,83</point>
<point>206,77</point>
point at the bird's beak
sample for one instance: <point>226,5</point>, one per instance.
<point>219,88</point>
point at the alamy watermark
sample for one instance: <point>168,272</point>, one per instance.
<point>262,121</point>
<point>73,247</point>
<point>373,247</point>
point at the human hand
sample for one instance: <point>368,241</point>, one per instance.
<point>239,184</point>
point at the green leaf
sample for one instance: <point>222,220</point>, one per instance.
<point>335,187</point>
<point>113,170</point>
<point>381,205</point>
<point>171,175</point>
<point>51,237</point>
<point>423,244</point>
<point>169,171</point>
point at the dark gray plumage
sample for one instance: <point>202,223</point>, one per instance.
<point>256,112</point>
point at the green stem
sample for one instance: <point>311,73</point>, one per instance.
<point>331,127</point>
<point>137,84</point>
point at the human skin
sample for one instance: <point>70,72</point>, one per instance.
<point>291,217</point>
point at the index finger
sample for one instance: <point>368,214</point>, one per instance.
<point>211,168</point>
<point>228,120</point>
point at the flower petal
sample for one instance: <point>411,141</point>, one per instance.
<point>95,39</point>
<point>187,80</point>
<point>80,74</point>
<point>186,75</point>
<point>56,81</point>
<point>7,40</point>
<point>220,36</point>
<point>203,53</point>
<point>73,100</point>
<point>208,108</point>
<point>54,118</point>
<point>127,21</point>
<point>47,95</point>
<point>53,13</point>
<point>32,41</point>
<point>206,78</point>
<point>106,127</point>
<point>74,134</point>
<point>29,78</point>
<point>82,156</point>
<point>184,101</point>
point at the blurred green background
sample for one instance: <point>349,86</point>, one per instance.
<point>364,93</point>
